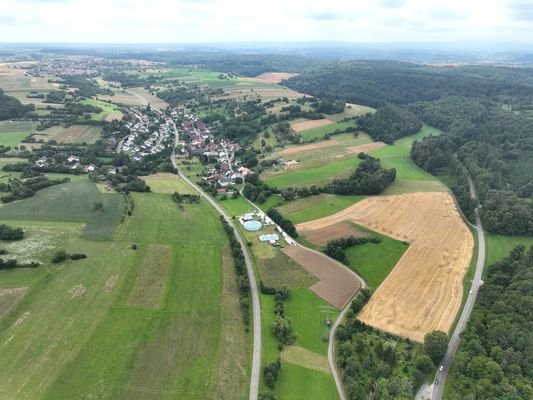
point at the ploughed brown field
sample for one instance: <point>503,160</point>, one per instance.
<point>273,77</point>
<point>424,290</point>
<point>339,230</point>
<point>337,285</point>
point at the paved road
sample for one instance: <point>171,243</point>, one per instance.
<point>256,308</point>
<point>467,309</point>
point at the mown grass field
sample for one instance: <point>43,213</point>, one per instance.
<point>499,246</point>
<point>320,132</point>
<point>12,132</point>
<point>109,111</point>
<point>318,165</point>
<point>76,335</point>
<point>374,261</point>
<point>70,202</point>
<point>314,207</point>
<point>167,183</point>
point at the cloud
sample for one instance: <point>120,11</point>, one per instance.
<point>392,3</point>
<point>521,10</point>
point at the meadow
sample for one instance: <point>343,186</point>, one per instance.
<point>13,132</point>
<point>109,111</point>
<point>320,132</point>
<point>499,246</point>
<point>101,328</point>
<point>373,262</point>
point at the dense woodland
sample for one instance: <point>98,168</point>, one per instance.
<point>495,358</point>
<point>483,110</point>
<point>10,107</point>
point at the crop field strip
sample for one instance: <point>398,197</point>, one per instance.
<point>424,290</point>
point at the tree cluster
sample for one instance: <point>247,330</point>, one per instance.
<point>10,107</point>
<point>495,357</point>
<point>389,123</point>
<point>283,223</point>
<point>335,248</point>
<point>9,233</point>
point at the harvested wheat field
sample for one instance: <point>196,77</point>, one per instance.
<point>337,284</point>
<point>310,124</point>
<point>424,290</point>
<point>323,235</point>
<point>365,148</point>
<point>289,151</point>
<point>273,77</point>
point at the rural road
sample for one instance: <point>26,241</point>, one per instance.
<point>256,307</point>
<point>331,340</point>
<point>467,309</point>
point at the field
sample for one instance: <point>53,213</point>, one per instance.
<point>320,131</point>
<point>317,163</point>
<point>167,183</point>
<point>337,286</point>
<point>309,124</point>
<point>336,231</point>
<point>314,207</point>
<point>13,132</point>
<point>70,202</point>
<point>273,77</point>
<point>109,111</point>
<point>76,134</point>
<point>424,290</point>
<point>499,246</point>
<point>106,328</point>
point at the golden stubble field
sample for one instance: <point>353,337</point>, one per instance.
<point>424,290</point>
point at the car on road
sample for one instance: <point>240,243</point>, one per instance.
<point>441,367</point>
<point>436,381</point>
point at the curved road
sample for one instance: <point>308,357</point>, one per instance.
<point>467,309</point>
<point>331,342</point>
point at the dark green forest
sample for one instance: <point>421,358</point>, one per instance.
<point>10,107</point>
<point>495,358</point>
<point>483,110</point>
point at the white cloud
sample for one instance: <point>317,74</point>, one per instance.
<point>123,21</point>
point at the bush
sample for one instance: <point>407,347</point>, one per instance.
<point>9,233</point>
<point>77,256</point>
<point>59,256</point>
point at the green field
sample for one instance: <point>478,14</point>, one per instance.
<point>109,110</point>
<point>298,383</point>
<point>70,202</point>
<point>12,132</point>
<point>318,133</point>
<point>75,334</point>
<point>374,261</point>
<point>314,175</point>
<point>499,246</point>
<point>314,207</point>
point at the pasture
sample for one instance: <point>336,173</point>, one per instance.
<point>75,134</point>
<point>70,202</point>
<point>317,163</point>
<point>13,132</point>
<point>167,183</point>
<point>314,207</point>
<point>109,111</point>
<point>499,246</point>
<point>424,290</point>
<point>321,131</point>
<point>106,328</point>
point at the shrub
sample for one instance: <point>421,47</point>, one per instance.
<point>59,256</point>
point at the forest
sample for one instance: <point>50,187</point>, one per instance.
<point>488,136</point>
<point>10,107</point>
<point>495,358</point>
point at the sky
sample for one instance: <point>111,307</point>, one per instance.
<point>208,21</point>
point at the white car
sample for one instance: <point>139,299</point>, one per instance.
<point>441,367</point>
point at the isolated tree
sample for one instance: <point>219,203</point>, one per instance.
<point>436,344</point>
<point>98,206</point>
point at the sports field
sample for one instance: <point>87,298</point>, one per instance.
<point>107,327</point>
<point>424,290</point>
